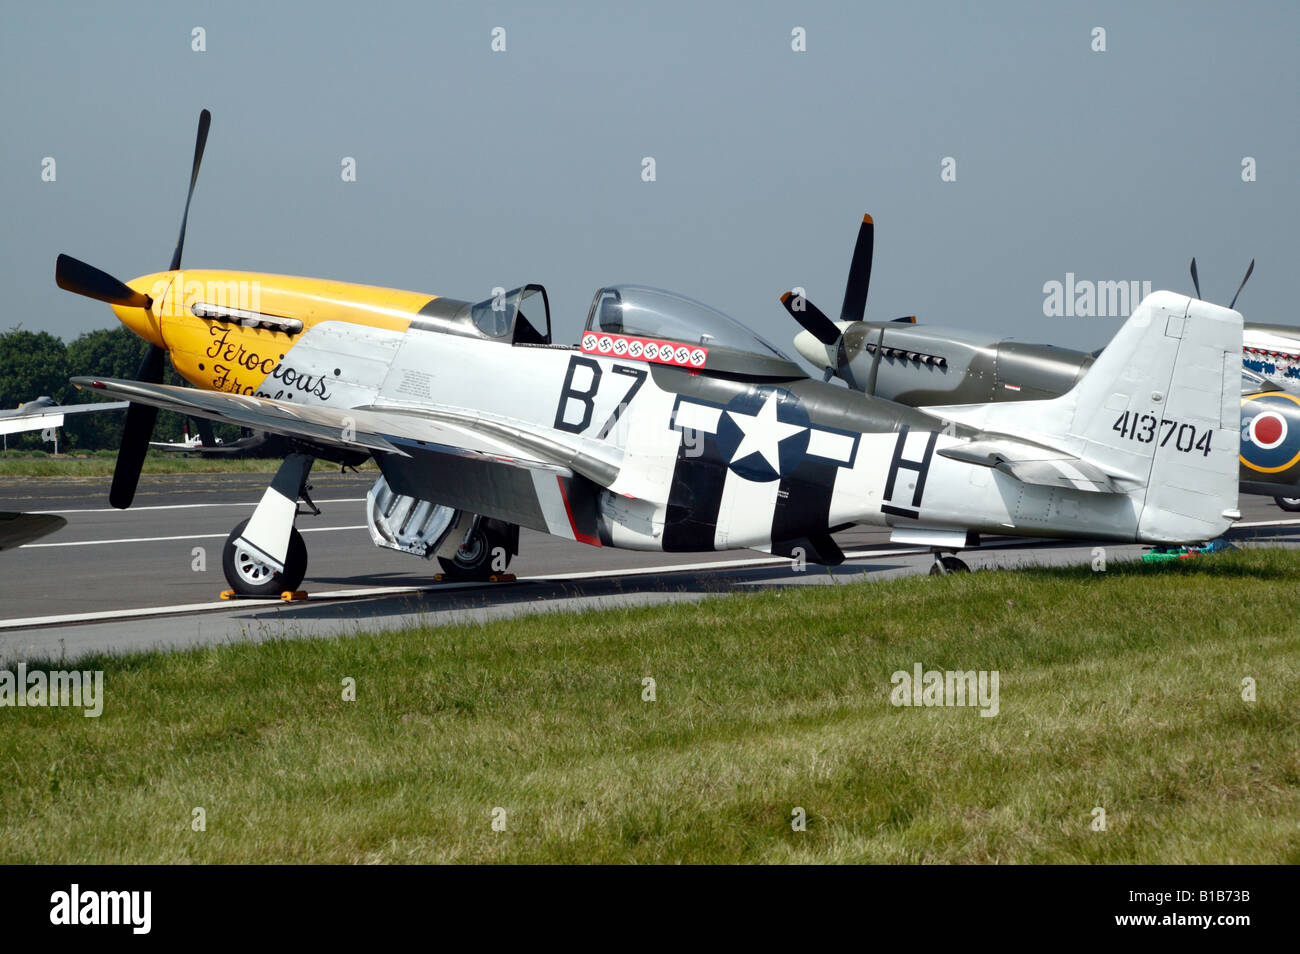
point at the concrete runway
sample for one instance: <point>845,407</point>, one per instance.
<point>120,580</point>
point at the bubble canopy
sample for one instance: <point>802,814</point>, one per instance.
<point>655,313</point>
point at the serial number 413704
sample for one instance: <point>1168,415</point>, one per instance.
<point>1147,428</point>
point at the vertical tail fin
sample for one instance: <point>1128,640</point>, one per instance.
<point>1195,469</point>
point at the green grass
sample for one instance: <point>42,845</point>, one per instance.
<point>1120,690</point>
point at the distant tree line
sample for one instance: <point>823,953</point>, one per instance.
<point>33,363</point>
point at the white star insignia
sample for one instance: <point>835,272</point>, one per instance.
<point>763,433</point>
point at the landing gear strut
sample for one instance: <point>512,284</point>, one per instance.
<point>943,565</point>
<point>265,555</point>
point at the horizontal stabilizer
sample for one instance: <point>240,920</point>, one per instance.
<point>1032,464</point>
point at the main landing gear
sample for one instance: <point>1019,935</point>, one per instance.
<point>265,555</point>
<point>1288,503</point>
<point>944,565</point>
<point>469,547</point>
<point>484,551</point>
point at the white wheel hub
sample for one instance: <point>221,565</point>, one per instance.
<point>251,569</point>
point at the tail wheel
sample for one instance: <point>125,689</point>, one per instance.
<point>1288,503</point>
<point>248,575</point>
<point>485,550</point>
<point>949,564</point>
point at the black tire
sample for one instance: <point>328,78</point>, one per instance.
<point>1288,503</point>
<point>249,577</point>
<point>473,561</point>
<point>950,564</point>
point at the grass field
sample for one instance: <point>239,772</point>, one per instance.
<point>1120,690</point>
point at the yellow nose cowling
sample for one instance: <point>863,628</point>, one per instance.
<point>147,323</point>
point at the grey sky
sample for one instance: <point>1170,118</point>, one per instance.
<point>478,169</point>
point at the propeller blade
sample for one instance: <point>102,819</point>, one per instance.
<point>140,419</point>
<point>1196,282</point>
<point>205,120</point>
<point>206,436</point>
<point>1243,283</point>
<point>855,291</point>
<point>136,433</point>
<point>812,318</point>
<point>76,276</point>
<point>150,370</point>
<point>83,279</point>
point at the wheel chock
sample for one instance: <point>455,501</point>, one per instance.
<point>288,596</point>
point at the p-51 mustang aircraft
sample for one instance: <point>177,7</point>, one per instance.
<point>669,426</point>
<point>931,366</point>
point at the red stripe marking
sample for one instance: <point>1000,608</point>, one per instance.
<point>577,534</point>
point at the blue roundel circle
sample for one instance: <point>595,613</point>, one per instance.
<point>1270,432</point>
<point>763,433</point>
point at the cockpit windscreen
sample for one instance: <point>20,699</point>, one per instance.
<point>654,313</point>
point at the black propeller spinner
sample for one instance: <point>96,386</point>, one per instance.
<point>854,308</point>
<point>76,276</point>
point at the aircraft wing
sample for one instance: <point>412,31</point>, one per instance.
<point>1035,464</point>
<point>51,416</point>
<point>324,425</point>
<point>465,459</point>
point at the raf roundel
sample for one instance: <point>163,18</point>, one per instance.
<point>1270,432</point>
